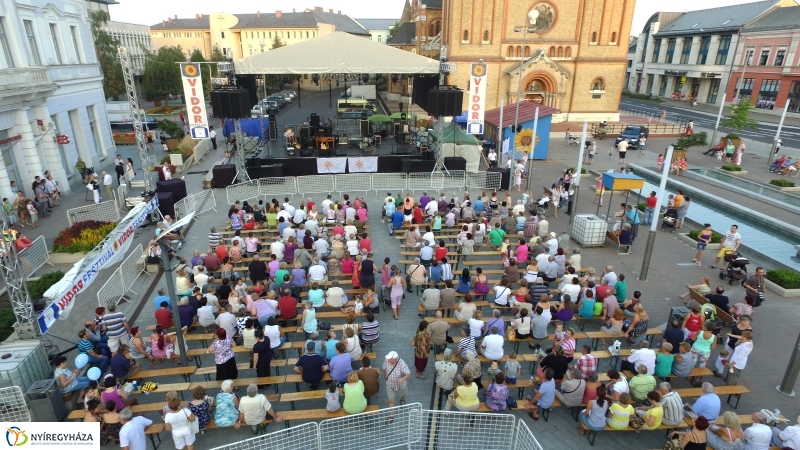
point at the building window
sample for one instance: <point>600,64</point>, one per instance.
<point>594,37</point>
<point>713,91</point>
<point>748,56</point>
<point>656,50</point>
<point>7,55</point>
<point>56,48</point>
<point>98,145</point>
<point>551,53</point>
<point>306,34</point>
<point>465,37</point>
<point>519,51</point>
<point>767,94</point>
<point>762,61</point>
<point>598,84</point>
<point>687,48</point>
<point>560,52</point>
<point>222,34</point>
<point>568,52</point>
<point>745,87</point>
<point>670,50</point>
<point>614,37</point>
<point>649,88</point>
<point>794,97</point>
<point>779,55</point>
<point>485,36</point>
<point>662,89</point>
<point>722,51</point>
<point>379,38</point>
<point>34,49</point>
<point>702,55</point>
<point>270,34</point>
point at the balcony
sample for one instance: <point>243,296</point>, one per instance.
<point>22,81</point>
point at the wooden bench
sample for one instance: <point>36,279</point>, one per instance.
<point>184,371</point>
<point>592,435</point>
<point>730,391</point>
<point>349,292</point>
<point>425,311</point>
<point>317,414</point>
<point>164,388</point>
<point>724,316</point>
<point>695,376</point>
<point>239,382</point>
<point>297,378</point>
<point>597,336</point>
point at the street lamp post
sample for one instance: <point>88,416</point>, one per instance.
<point>173,298</point>
<point>651,237</point>
<point>532,16</point>
<point>576,177</point>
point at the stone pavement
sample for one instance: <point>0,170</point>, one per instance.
<point>665,282</point>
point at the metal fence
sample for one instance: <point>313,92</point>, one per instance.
<point>12,405</point>
<point>316,184</point>
<point>121,280</point>
<point>484,180</point>
<point>354,182</point>
<point>411,427</point>
<point>204,202</point>
<point>103,212</point>
<point>122,194</point>
<point>34,257</point>
<point>185,206</point>
<point>242,191</point>
<point>280,186</point>
<point>390,182</point>
<point>200,151</point>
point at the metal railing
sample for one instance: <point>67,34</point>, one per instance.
<point>122,279</point>
<point>12,405</point>
<point>34,257</point>
<point>102,212</point>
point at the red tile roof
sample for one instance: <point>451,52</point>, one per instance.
<point>527,111</point>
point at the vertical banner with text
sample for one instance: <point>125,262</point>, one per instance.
<point>477,98</point>
<point>195,100</point>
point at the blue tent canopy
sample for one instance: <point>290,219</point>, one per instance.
<point>461,119</point>
<point>250,127</point>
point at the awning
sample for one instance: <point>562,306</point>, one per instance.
<point>337,52</point>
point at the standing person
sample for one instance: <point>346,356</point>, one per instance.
<point>108,183</point>
<point>689,127</point>
<point>213,135</point>
<point>395,286</point>
<point>518,178</point>
<point>95,185</point>
<point>132,434</point>
<point>119,168</point>
<point>740,152</point>
<point>42,199</point>
<point>738,360</point>
<point>622,148</point>
<point>129,167</point>
<point>730,244</point>
<point>566,138</point>
<point>80,166</point>
<point>702,241</point>
<point>178,421</point>
<point>150,140</point>
<point>492,157</point>
<point>682,210</point>
<point>222,347</point>
<point>650,208</point>
<point>396,373</point>
<point>755,285</point>
<point>422,348</point>
<point>262,354</point>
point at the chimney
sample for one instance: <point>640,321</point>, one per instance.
<point>278,14</point>
<point>197,16</point>
<point>293,10</point>
<point>163,23</point>
<point>330,10</point>
<point>339,12</point>
<point>170,19</point>
<point>317,8</point>
<point>258,14</point>
<point>176,17</point>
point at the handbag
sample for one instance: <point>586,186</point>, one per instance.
<point>636,422</point>
<point>408,279</point>
<point>626,324</point>
<point>164,147</point>
<point>511,402</point>
<point>324,326</point>
<point>511,334</point>
<point>194,425</point>
<point>672,444</point>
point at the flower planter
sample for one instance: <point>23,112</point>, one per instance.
<point>787,189</point>
<point>66,258</point>
<point>685,238</point>
<point>740,172</point>
<point>782,292</point>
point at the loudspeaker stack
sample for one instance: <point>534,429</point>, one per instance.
<point>231,104</point>
<point>445,102</point>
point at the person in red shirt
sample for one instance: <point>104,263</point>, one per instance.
<point>650,209</point>
<point>287,305</point>
<point>441,251</point>
<point>602,291</point>
<point>365,243</point>
<point>164,316</point>
<point>211,262</point>
<point>221,251</point>
<point>417,214</point>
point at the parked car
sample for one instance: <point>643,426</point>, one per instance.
<point>267,107</point>
<point>281,100</point>
<point>631,134</point>
<point>284,95</point>
<point>148,124</point>
<point>292,94</point>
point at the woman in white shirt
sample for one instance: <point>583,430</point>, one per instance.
<point>350,229</point>
<point>276,336</point>
<point>352,344</point>
<point>352,245</point>
<point>178,422</point>
<point>205,314</point>
<point>465,309</point>
<point>501,292</point>
<point>492,345</point>
<point>476,324</point>
<point>522,325</point>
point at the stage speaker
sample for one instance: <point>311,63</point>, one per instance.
<point>224,175</point>
<point>304,134</point>
<point>272,171</point>
<point>307,152</point>
<point>166,203</point>
<point>402,151</point>
<point>455,163</point>
<point>427,156</point>
<point>314,121</point>
<point>505,177</point>
<point>273,128</point>
<point>408,165</point>
<point>231,104</point>
<point>364,126</point>
<point>445,102</point>
<point>176,186</point>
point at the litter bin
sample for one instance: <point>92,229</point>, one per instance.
<point>46,402</point>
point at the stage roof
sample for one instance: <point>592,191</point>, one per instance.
<point>337,52</point>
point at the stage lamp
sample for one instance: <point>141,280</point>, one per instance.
<point>395,78</point>
<point>365,78</point>
<point>315,79</point>
<point>285,79</point>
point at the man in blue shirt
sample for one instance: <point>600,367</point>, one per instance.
<point>544,397</point>
<point>340,366</point>
<point>120,366</point>
<point>478,206</point>
<point>86,346</point>
<point>397,221</point>
<point>311,366</point>
<point>707,405</point>
<point>161,297</point>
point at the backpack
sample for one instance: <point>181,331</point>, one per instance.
<point>636,421</point>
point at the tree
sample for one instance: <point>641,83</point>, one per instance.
<point>197,56</point>
<point>277,43</point>
<point>695,140</point>
<point>392,31</point>
<point>739,118</point>
<point>162,75</point>
<point>107,55</point>
<point>275,80</point>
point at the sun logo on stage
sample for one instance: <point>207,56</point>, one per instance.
<point>328,165</point>
<point>360,164</point>
<point>190,70</point>
<point>524,140</point>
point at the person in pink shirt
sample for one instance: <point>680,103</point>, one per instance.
<point>273,265</point>
<point>347,264</point>
<point>338,229</point>
<point>361,214</point>
<point>522,251</point>
<point>365,243</point>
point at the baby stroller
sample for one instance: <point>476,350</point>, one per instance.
<point>670,217</point>
<point>737,268</point>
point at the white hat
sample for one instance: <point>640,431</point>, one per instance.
<point>553,233</point>
<point>392,355</point>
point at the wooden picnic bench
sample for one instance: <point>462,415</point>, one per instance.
<point>730,391</point>
<point>184,371</point>
<point>724,316</point>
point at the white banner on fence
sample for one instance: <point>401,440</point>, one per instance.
<point>362,164</point>
<point>62,295</point>
<point>196,115</point>
<point>331,165</point>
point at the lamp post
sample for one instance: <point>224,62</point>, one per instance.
<point>777,136</point>
<point>528,28</point>
<point>576,184</point>
<point>173,298</point>
<point>651,237</point>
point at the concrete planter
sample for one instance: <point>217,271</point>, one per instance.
<point>685,238</point>
<point>788,189</point>
<point>785,293</point>
<point>740,172</point>
<point>66,258</point>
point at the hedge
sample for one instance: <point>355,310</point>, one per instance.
<point>7,320</point>
<point>787,279</point>
<point>780,182</point>
<point>716,238</point>
<point>37,288</point>
<point>731,168</point>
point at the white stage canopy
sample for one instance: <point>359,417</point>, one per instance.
<point>337,52</point>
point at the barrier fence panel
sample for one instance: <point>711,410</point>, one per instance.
<point>484,180</point>
<point>455,180</point>
<point>460,430</point>
<point>122,194</point>
<point>420,181</point>
<point>34,257</point>
<point>185,206</point>
<point>281,186</point>
<point>368,431</point>
<point>201,150</point>
<point>390,182</point>
<point>113,289</point>
<point>102,212</point>
<point>301,437</point>
<point>132,267</point>
<point>204,202</point>
<point>12,405</point>
<point>524,439</point>
<point>242,191</point>
<point>354,182</point>
<point>316,184</point>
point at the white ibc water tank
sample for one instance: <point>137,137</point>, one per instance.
<point>589,230</point>
<point>26,364</point>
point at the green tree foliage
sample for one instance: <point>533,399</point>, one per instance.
<point>162,75</point>
<point>392,31</point>
<point>197,56</point>
<point>739,118</point>
<point>695,140</point>
<point>106,48</point>
<point>275,80</point>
